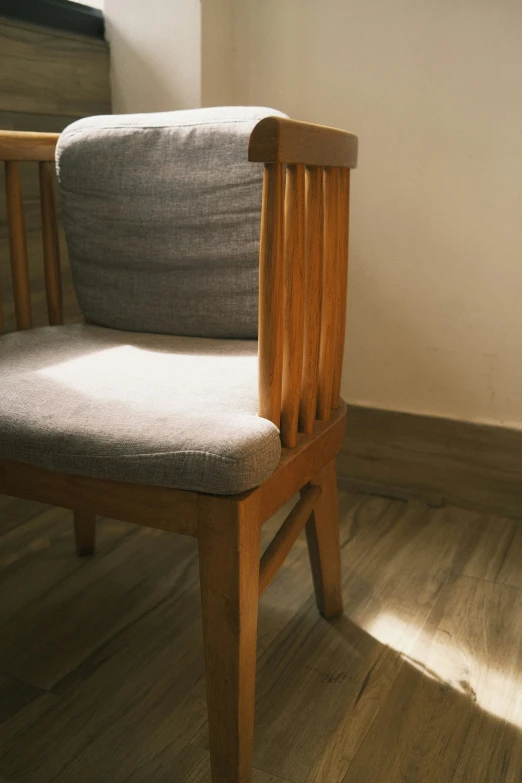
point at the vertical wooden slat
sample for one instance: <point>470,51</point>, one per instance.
<point>18,245</point>
<point>313,286</point>
<point>328,306</point>
<point>1,312</point>
<point>51,247</point>
<point>342,283</point>
<point>294,260</point>
<point>271,295</point>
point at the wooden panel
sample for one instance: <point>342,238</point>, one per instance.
<point>33,221</point>
<point>46,72</point>
<point>322,535</point>
<point>283,541</point>
<point>229,564</point>
<point>313,295</point>
<point>51,245</point>
<point>341,290</point>
<point>72,313</point>
<point>17,245</point>
<point>152,506</point>
<point>440,460</point>
<point>276,139</point>
<point>34,123</point>
<point>330,282</point>
<point>297,466</point>
<point>47,80</point>
<point>16,145</point>
<point>294,272</point>
<point>271,295</point>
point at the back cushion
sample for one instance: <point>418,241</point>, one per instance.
<point>162,218</point>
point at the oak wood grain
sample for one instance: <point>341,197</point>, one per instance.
<point>330,285</point>
<point>271,280</point>
<point>193,766</point>
<point>456,703</point>
<point>324,548</point>
<point>314,232</point>
<point>59,657</point>
<point>283,541</point>
<point>51,245</point>
<point>38,554</point>
<point>498,551</point>
<point>28,146</point>
<point>471,465</point>
<point>18,245</point>
<point>321,686</point>
<point>293,331</point>
<point>46,72</point>
<point>153,506</point>
<point>229,546</point>
<point>341,285</point>
<point>297,466</point>
<point>278,139</point>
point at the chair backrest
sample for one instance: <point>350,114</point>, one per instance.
<point>162,218</point>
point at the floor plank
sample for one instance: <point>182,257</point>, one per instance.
<point>420,674</point>
<point>497,554</point>
<point>62,626</point>
<point>454,712</point>
<point>193,766</point>
<point>14,696</point>
<point>40,553</point>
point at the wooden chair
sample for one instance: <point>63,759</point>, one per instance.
<point>302,303</point>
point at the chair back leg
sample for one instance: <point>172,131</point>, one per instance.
<point>85,532</point>
<point>322,534</point>
<point>229,549</point>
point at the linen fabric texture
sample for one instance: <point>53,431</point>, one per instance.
<point>143,408</point>
<point>162,217</point>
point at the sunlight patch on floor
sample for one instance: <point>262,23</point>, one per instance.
<point>450,661</point>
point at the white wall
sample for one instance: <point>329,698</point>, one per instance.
<point>218,61</point>
<point>155,54</point>
<point>432,87</point>
<point>92,3</point>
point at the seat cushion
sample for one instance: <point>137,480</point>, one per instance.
<point>162,215</point>
<point>149,409</point>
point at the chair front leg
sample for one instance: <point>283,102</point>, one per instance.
<point>229,549</point>
<point>322,534</point>
<point>85,532</point>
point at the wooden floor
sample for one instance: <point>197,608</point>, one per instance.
<point>101,667</point>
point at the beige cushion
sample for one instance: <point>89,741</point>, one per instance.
<point>150,409</point>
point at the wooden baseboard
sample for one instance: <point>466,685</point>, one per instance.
<point>438,460</point>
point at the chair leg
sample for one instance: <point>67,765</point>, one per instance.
<point>322,534</point>
<point>84,532</point>
<point>229,549</point>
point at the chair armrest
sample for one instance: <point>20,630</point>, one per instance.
<point>280,140</point>
<point>303,260</point>
<point>21,145</point>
